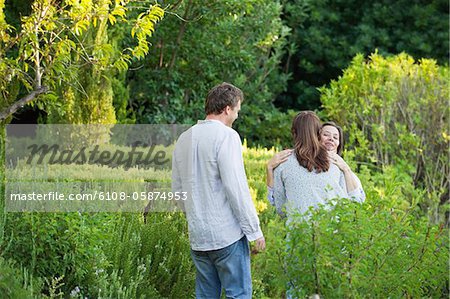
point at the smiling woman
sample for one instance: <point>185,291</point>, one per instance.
<point>331,137</point>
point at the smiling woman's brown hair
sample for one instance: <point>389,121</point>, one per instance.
<point>308,150</point>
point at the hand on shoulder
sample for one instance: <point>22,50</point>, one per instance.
<point>279,158</point>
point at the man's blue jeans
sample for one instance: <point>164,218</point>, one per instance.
<point>227,268</point>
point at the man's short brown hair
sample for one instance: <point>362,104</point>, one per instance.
<point>221,96</point>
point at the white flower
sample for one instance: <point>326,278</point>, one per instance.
<point>75,291</point>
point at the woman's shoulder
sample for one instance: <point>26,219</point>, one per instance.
<point>291,165</point>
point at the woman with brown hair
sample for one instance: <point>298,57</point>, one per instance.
<point>332,137</point>
<point>310,175</point>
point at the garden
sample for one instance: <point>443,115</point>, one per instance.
<point>98,65</point>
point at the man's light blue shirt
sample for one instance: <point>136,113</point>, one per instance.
<point>207,163</point>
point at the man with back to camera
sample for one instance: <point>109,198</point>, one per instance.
<point>207,163</point>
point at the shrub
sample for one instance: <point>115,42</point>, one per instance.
<point>54,245</point>
<point>354,250</point>
<point>155,253</point>
<point>16,283</point>
<point>395,111</point>
<point>268,267</point>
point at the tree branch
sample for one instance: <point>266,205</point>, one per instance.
<point>23,101</point>
<point>180,34</point>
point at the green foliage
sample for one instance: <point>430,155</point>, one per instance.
<point>90,100</point>
<point>112,286</point>
<point>395,112</point>
<point>120,101</point>
<point>16,283</point>
<point>386,247</point>
<point>155,253</point>
<point>2,166</point>
<point>103,255</point>
<point>268,268</point>
<point>65,47</point>
<point>57,245</point>
<point>376,249</point>
<point>203,43</point>
<point>54,287</point>
<point>100,255</point>
<point>326,35</point>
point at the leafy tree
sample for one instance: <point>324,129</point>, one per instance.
<point>57,41</point>
<point>326,35</point>
<point>203,43</point>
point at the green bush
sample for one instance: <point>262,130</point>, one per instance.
<point>111,285</point>
<point>326,35</point>
<point>16,283</point>
<point>243,45</point>
<point>268,267</point>
<point>395,111</point>
<point>155,253</point>
<point>354,251</point>
<point>103,255</point>
<point>57,245</point>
